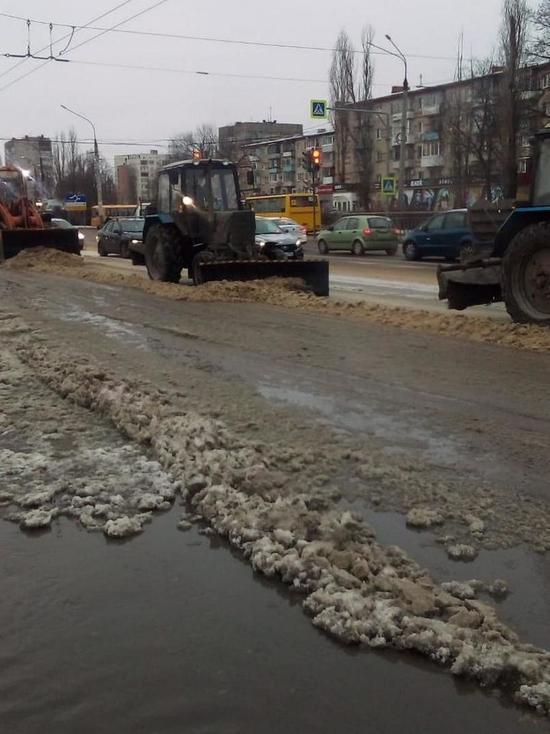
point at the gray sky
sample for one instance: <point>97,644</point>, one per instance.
<point>144,105</point>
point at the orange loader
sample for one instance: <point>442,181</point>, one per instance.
<point>21,224</point>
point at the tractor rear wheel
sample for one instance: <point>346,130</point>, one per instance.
<point>525,278</point>
<point>162,254</point>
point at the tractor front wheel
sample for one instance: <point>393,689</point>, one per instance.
<point>162,254</point>
<point>525,277</point>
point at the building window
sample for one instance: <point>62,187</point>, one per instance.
<point>378,133</point>
<point>420,126</point>
<point>432,148</point>
<point>546,81</point>
<point>522,165</point>
<point>524,141</point>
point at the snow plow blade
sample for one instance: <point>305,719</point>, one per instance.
<point>472,284</point>
<point>313,272</point>
<point>12,242</point>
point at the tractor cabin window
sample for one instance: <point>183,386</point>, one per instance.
<point>164,193</point>
<point>224,192</point>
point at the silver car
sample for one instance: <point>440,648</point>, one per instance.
<point>290,226</point>
<point>271,240</point>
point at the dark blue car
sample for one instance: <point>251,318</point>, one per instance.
<point>446,234</point>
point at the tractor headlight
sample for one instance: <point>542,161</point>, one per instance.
<point>188,201</point>
<point>261,243</point>
<point>81,236</point>
<point>135,242</point>
<point>298,242</point>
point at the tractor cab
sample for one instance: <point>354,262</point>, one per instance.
<point>540,193</point>
<point>202,199</point>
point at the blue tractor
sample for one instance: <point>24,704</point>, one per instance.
<point>511,259</point>
<point>201,224</point>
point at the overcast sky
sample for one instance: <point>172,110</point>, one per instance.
<point>148,106</point>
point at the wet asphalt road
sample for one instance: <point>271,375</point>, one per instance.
<point>170,632</point>
<point>375,277</point>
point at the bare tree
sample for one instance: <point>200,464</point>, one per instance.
<point>181,146</point>
<point>459,126</point>
<point>541,23</point>
<point>362,130</point>
<point>513,51</point>
<point>351,83</point>
<point>204,140</point>
<point>74,170</point>
<point>342,92</point>
<point>484,142</point>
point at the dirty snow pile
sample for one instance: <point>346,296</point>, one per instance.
<point>45,259</point>
<point>290,293</point>
<point>57,460</point>
<point>354,588</point>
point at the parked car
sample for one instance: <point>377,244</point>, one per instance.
<point>358,234</point>
<point>58,223</point>
<point>118,235</point>
<point>290,227</point>
<point>446,234</point>
<point>273,242</point>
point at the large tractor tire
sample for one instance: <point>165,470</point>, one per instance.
<point>162,254</point>
<point>526,276</point>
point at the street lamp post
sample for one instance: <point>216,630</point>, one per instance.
<point>97,168</point>
<point>405,108</point>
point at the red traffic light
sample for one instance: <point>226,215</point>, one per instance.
<point>316,157</point>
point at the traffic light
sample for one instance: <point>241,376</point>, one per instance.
<point>306,157</point>
<point>316,159</point>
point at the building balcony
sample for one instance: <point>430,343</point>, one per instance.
<point>432,161</point>
<point>430,110</point>
<point>329,148</point>
<point>396,117</point>
<point>328,180</point>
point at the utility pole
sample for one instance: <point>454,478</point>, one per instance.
<point>315,167</point>
<point>405,109</point>
<point>97,165</point>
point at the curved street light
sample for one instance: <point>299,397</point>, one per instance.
<point>97,168</point>
<point>403,151</point>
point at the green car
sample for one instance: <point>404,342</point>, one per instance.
<point>360,233</point>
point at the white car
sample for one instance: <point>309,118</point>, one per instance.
<point>57,223</point>
<point>290,227</point>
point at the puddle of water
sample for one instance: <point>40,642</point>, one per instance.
<point>172,633</point>
<point>525,609</point>
<point>368,420</point>
<point>116,329</point>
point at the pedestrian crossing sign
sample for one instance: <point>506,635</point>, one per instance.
<point>388,185</point>
<point>319,109</point>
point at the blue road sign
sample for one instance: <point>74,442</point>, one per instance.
<point>388,185</point>
<point>319,109</point>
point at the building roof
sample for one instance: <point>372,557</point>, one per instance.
<point>441,87</point>
<point>303,136</point>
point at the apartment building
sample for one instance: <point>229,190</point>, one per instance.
<point>452,147</point>
<point>278,165</point>
<point>35,155</point>
<point>234,138</point>
<point>136,175</point>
